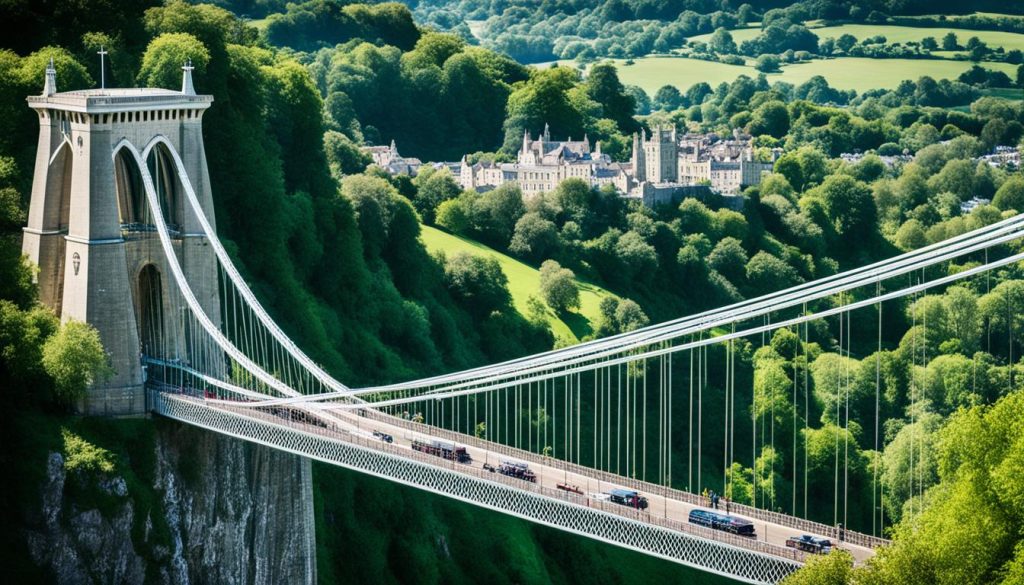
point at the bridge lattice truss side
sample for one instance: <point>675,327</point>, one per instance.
<point>543,506</point>
<point>240,367</point>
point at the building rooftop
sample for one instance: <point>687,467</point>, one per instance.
<point>118,91</point>
<point>123,99</point>
<point>102,101</point>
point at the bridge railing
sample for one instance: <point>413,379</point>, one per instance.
<point>798,524</point>
<point>337,433</point>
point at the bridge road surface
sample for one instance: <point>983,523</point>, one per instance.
<point>550,476</point>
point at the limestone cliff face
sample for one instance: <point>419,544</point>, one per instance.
<point>224,511</point>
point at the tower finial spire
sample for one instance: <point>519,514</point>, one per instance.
<point>186,79</point>
<point>103,70</point>
<point>50,87</point>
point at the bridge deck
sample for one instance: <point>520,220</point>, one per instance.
<point>675,505</point>
<point>661,530</point>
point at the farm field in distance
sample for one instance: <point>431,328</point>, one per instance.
<point>894,34</point>
<point>862,73</point>
<point>858,73</point>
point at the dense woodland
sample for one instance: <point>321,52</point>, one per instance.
<point>333,251</point>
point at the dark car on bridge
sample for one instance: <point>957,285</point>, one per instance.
<point>811,544</point>
<point>628,498</point>
<point>722,522</point>
<point>518,470</point>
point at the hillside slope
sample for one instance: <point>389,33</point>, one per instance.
<point>524,282</point>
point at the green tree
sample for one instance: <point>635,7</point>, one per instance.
<point>949,42</point>
<point>963,317</point>
<point>695,217</point>
<point>803,168</point>
<point>164,57</point>
<point>558,287</point>
<point>497,211</point>
<point>721,42</point>
<point>849,205</point>
<point>834,568</point>
<point>957,177</point>
<point>767,63</point>
<point>603,86</point>
<point>544,99</point>
<point>630,316</point>
<point>637,255</point>
<point>766,273</point>
<point>1011,194</point>
<point>744,13</point>
<point>911,236</point>
<point>478,281</point>
<point>770,118</point>
<point>74,357</point>
<point>453,216</point>
<point>433,187</point>
<point>22,334</point>
<point>846,42</point>
<point>343,155</point>
<point>668,98</point>
<point>534,238</point>
<point>730,259</point>
<point>607,324</point>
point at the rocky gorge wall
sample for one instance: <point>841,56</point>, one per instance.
<point>217,510</point>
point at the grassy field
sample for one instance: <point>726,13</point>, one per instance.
<point>860,74</point>
<point>739,35</point>
<point>651,73</point>
<point>903,34</point>
<point>894,34</point>
<point>863,73</point>
<point>260,24</point>
<point>524,282</point>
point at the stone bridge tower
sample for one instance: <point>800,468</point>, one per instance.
<point>92,233</point>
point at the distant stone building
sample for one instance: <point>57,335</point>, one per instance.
<point>1006,157</point>
<point>542,164</point>
<point>728,166</point>
<point>654,158</point>
<point>664,162</point>
<point>972,204</point>
<point>387,158</point>
<point>661,164</point>
<point>890,161</point>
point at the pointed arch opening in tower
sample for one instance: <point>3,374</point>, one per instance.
<point>150,308</point>
<point>131,198</point>
<point>165,181</point>
<point>57,209</point>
